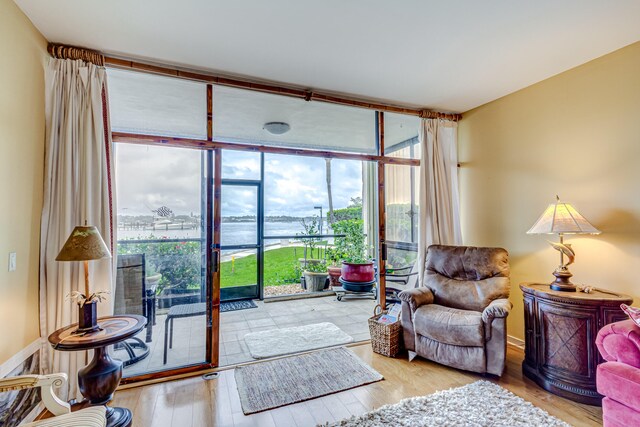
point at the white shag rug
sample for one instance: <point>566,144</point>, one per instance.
<point>278,342</point>
<point>479,404</point>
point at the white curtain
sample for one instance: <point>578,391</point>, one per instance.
<point>439,195</point>
<point>78,187</point>
<point>370,205</point>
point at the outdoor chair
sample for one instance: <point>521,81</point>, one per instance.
<point>178,312</point>
<point>400,279</point>
<point>133,296</point>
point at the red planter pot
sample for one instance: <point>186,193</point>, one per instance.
<point>334,275</point>
<point>357,272</point>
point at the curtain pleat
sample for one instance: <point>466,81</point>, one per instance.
<point>439,198</point>
<point>78,170</point>
<point>370,206</point>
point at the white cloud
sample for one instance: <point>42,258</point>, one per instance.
<point>150,177</point>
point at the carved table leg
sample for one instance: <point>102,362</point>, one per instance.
<point>99,380</point>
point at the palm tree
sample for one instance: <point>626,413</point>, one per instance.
<point>328,174</point>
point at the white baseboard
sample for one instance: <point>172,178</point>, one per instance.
<point>15,360</point>
<point>516,342</point>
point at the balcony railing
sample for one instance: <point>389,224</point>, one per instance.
<point>178,265</point>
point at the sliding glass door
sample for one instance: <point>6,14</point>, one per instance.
<point>241,240</point>
<point>162,255</point>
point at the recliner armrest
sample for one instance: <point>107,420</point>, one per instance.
<point>416,297</point>
<point>497,308</point>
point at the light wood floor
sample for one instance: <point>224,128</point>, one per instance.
<point>196,402</point>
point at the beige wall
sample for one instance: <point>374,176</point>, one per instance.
<point>23,50</point>
<point>576,135</point>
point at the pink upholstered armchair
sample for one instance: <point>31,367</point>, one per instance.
<point>618,379</point>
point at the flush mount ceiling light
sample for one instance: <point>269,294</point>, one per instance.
<point>276,128</point>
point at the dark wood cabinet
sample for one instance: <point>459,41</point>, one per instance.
<point>560,338</point>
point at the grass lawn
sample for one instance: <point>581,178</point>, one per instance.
<point>278,268</point>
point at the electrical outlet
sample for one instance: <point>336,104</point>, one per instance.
<point>12,261</point>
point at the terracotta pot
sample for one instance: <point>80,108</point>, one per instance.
<point>334,275</point>
<point>358,272</point>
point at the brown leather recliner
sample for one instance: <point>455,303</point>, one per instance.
<point>457,317</point>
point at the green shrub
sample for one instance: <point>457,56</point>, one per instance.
<point>350,248</point>
<point>180,263</point>
<point>343,214</point>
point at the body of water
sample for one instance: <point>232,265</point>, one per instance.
<point>233,233</point>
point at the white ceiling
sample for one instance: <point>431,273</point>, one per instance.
<point>436,54</point>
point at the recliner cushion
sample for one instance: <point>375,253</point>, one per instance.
<point>450,325</point>
<point>466,277</point>
<point>459,357</point>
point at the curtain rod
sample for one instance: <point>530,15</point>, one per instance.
<point>72,52</point>
<point>307,95</point>
<point>60,51</point>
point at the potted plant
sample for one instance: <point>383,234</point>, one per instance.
<point>311,228</point>
<point>334,255</point>
<point>315,276</point>
<point>357,266</point>
<point>88,309</point>
<point>152,280</point>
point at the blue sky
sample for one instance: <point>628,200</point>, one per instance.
<point>148,177</point>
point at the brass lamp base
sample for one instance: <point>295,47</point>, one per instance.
<point>563,282</point>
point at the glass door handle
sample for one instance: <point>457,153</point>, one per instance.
<point>215,260</point>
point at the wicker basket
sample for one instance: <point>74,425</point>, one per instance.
<point>385,337</point>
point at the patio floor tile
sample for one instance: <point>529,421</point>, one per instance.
<point>189,333</point>
<point>258,323</point>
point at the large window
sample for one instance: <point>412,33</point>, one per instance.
<point>240,116</point>
<point>402,214</point>
<point>401,136</point>
<point>180,213</point>
<point>156,105</point>
<point>402,189</point>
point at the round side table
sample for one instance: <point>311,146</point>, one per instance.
<point>100,378</point>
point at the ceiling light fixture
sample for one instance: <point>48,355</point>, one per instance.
<point>276,128</point>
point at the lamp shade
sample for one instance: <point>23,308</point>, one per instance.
<point>84,244</point>
<point>562,218</point>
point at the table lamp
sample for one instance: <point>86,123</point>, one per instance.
<point>85,244</point>
<point>562,218</point>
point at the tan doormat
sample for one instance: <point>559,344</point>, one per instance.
<point>278,342</point>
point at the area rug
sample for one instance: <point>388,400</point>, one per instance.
<point>275,383</point>
<point>278,342</point>
<point>236,305</point>
<point>479,404</point>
